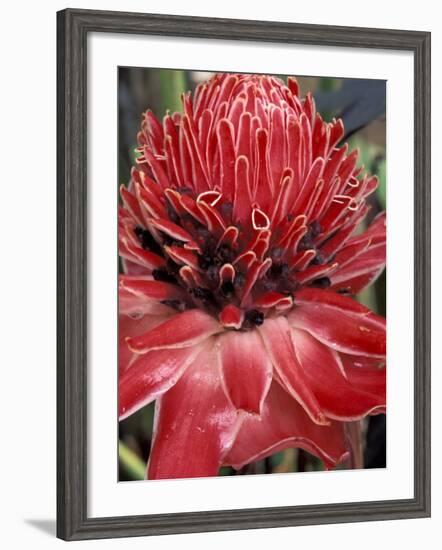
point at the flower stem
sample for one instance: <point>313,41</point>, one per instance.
<point>132,463</point>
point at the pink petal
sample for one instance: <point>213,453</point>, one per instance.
<point>129,326</point>
<point>147,288</point>
<point>183,329</point>
<point>150,375</point>
<point>276,335</point>
<point>246,369</point>
<point>137,306</point>
<point>339,398</point>
<point>309,296</point>
<point>195,425</point>
<point>366,374</point>
<point>283,424</point>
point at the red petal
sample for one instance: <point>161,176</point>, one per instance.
<point>277,145</point>
<point>231,317</point>
<point>274,299</point>
<point>182,330</point>
<point>293,85</point>
<point>256,271</point>
<point>156,167</point>
<point>277,339</point>
<point>225,132</point>
<point>131,204</point>
<point>262,186</point>
<point>171,229</point>
<point>194,424</point>
<point>339,398</point>
<point>242,196</point>
<point>139,256</point>
<point>341,323</point>
<point>150,375</point>
<point>183,256</point>
<point>308,186</point>
<point>283,424</point>
<point>361,263</point>
<point>246,369</point>
<point>361,272</point>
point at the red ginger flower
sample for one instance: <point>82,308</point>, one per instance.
<point>236,238</point>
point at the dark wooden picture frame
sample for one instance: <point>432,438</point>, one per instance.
<point>73,27</point>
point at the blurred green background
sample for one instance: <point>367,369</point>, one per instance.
<point>361,104</point>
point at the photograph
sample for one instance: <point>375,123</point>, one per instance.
<point>251,274</point>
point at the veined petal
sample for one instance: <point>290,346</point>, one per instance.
<point>150,375</point>
<point>339,398</point>
<point>195,424</point>
<point>340,323</point>
<point>246,369</point>
<point>137,306</point>
<point>148,288</point>
<point>358,274</point>
<point>132,326</point>
<point>308,296</point>
<point>276,335</point>
<point>183,329</point>
<point>366,373</point>
<point>284,424</point>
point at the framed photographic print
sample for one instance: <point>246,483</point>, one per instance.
<point>232,351</point>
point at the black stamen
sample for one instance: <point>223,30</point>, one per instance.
<point>255,317</point>
<point>172,267</point>
<point>184,190</point>
<point>276,253</point>
<point>227,289</point>
<point>269,284</point>
<point>322,282</point>
<point>170,241</point>
<point>172,214</point>
<point>315,228</point>
<point>306,243</point>
<point>345,291</point>
<point>163,275</point>
<point>205,261</point>
<point>319,259</point>
<point>212,273</point>
<point>278,270</point>
<point>203,294</point>
<point>147,241</point>
<point>240,279</point>
<point>224,254</point>
<point>226,210</point>
<point>175,304</point>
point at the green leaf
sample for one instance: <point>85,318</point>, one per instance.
<point>382,189</point>
<point>173,84</point>
<point>328,84</point>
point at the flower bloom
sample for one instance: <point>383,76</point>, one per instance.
<point>237,236</point>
